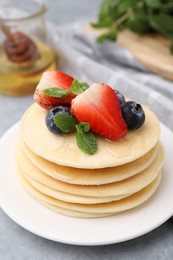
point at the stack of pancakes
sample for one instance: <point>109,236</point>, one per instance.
<point>121,175</point>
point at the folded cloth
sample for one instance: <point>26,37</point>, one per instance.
<point>87,60</point>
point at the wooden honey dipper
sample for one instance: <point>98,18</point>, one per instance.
<point>18,47</point>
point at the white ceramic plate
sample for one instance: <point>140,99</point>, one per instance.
<point>33,216</point>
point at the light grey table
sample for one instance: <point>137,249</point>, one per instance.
<point>19,244</point>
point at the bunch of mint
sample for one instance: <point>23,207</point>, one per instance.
<point>140,16</point>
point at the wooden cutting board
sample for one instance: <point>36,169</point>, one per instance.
<point>150,50</point>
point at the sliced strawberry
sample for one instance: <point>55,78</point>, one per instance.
<point>53,79</point>
<point>100,107</point>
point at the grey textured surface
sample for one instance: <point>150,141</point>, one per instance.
<point>17,243</point>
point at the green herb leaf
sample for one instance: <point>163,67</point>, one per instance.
<point>78,87</point>
<point>56,92</point>
<point>153,3</point>
<point>105,9</point>
<point>86,140</point>
<point>83,127</point>
<point>171,48</point>
<point>125,5</point>
<point>110,35</point>
<point>138,23</point>
<point>162,23</point>
<point>65,122</point>
<point>167,7</point>
<point>102,24</point>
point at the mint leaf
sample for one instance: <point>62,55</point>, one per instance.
<point>105,23</point>
<point>153,3</point>
<point>102,38</point>
<point>86,140</point>
<point>83,127</point>
<point>125,5</point>
<point>56,92</point>
<point>65,122</point>
<point>111,35</point>
<point>106,13</point>
<point>78,87</point>
<point>162,23</point>
<point>138,23</point>
<point>171,48</point>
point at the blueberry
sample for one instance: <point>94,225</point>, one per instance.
<point>50,118</point>
<point>120,97</point>
<point>133,114</point>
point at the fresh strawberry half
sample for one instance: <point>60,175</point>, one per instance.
<point>49,80</point>
<point>100,107</point>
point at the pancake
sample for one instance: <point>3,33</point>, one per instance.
<point>64,196</point>
<point>63,149</point>
<point>76,214</point>
<point>102,208</point>
<point>90,176</point>
<point>127,186</point>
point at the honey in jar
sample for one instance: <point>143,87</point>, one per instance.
<point>24,50</point>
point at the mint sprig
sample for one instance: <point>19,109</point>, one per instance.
<point>65,122</point>
<point>83,127</point>
<point>56,92</point>
<point>78,87</point>
<point>85,139</point>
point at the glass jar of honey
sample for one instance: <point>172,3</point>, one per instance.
<point>25,52</point>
